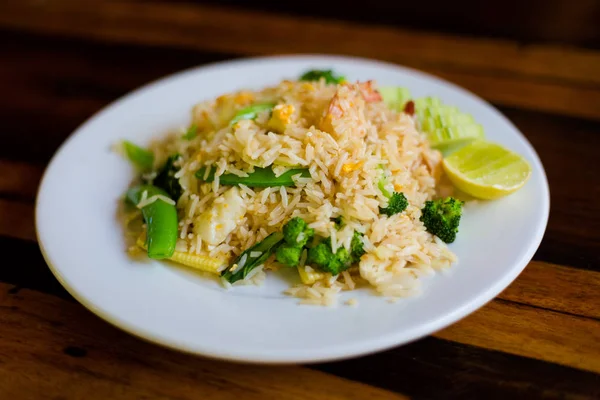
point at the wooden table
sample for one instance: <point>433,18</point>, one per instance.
<point>63,60</point>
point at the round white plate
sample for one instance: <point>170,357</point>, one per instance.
<point>82,240</point>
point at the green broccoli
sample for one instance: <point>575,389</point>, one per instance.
<point>296,235</point>
<point>396,204</point>
<point>322,257</point>
<point>441,217</point>
<point>288,255</point>
<point>357,247</point>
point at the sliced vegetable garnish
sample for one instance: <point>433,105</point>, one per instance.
<point>487,170</point>
<point>142,159</point>
<point>447,128</point>
<point>166,178</point>
<point>252,258</point>
<point>317,74</point>
<point>160,218</point>
<point>395,97</point>
<point>191,132</point>
<point>251,112</point>
<point>261,177</point>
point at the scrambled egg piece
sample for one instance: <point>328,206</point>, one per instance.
<point>281,117</point>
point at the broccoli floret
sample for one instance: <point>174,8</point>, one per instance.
<point>288,255</point>
<point>441,217</point>
<point>296,235</point>
<point>324,259</point>
<point>396,204</point>
<point>356,247</point>
<point>296,232</point>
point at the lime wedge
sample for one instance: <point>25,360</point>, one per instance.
<point>486,170</point>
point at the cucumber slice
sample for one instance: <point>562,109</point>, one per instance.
<point>395,96</point>
<point>447,128</point>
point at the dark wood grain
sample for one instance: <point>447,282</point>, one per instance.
<point>543,69</point>
<point>438,369</point>
<point>557,21</point>
<point>73,346</point>
<point>67,347</point>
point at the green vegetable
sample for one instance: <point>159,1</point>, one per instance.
<point>161,221</point>
<point>191,133</point>
<point>382,184</point>
<point>142,159</point>
<point>323,258</point>
<point>296,234</point>
<point>327,74</point>
<point>397,203</point>
<point>395,97</point>
<point>261,177</point>
<point>288,255</point>
<point>264,249</point>
<point>251,112</point>
<point>447,128</point>
<point>166,178</point>
<point>441,217</point>
<point>357,247</point>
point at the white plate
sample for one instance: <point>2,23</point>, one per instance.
<point>82,240</point>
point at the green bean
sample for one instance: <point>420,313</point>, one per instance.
<point>261,177</point>
<point>251,112</point>
<point>246,262</point>
<point>143,159</point>
<point>161,221</point>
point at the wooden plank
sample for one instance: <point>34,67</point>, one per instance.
<point>528,94</point>
<point>17,219</point>
<point>41,336</point>
<point>556,21</point>
<point>546,69</point>
<point>531,332</point>
<point>558,288</point>
<point>434,368</point>
<point>19,178</point>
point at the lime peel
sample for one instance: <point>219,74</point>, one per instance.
<point>486,170</point>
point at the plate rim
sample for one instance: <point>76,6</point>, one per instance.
<point>366,347</point>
